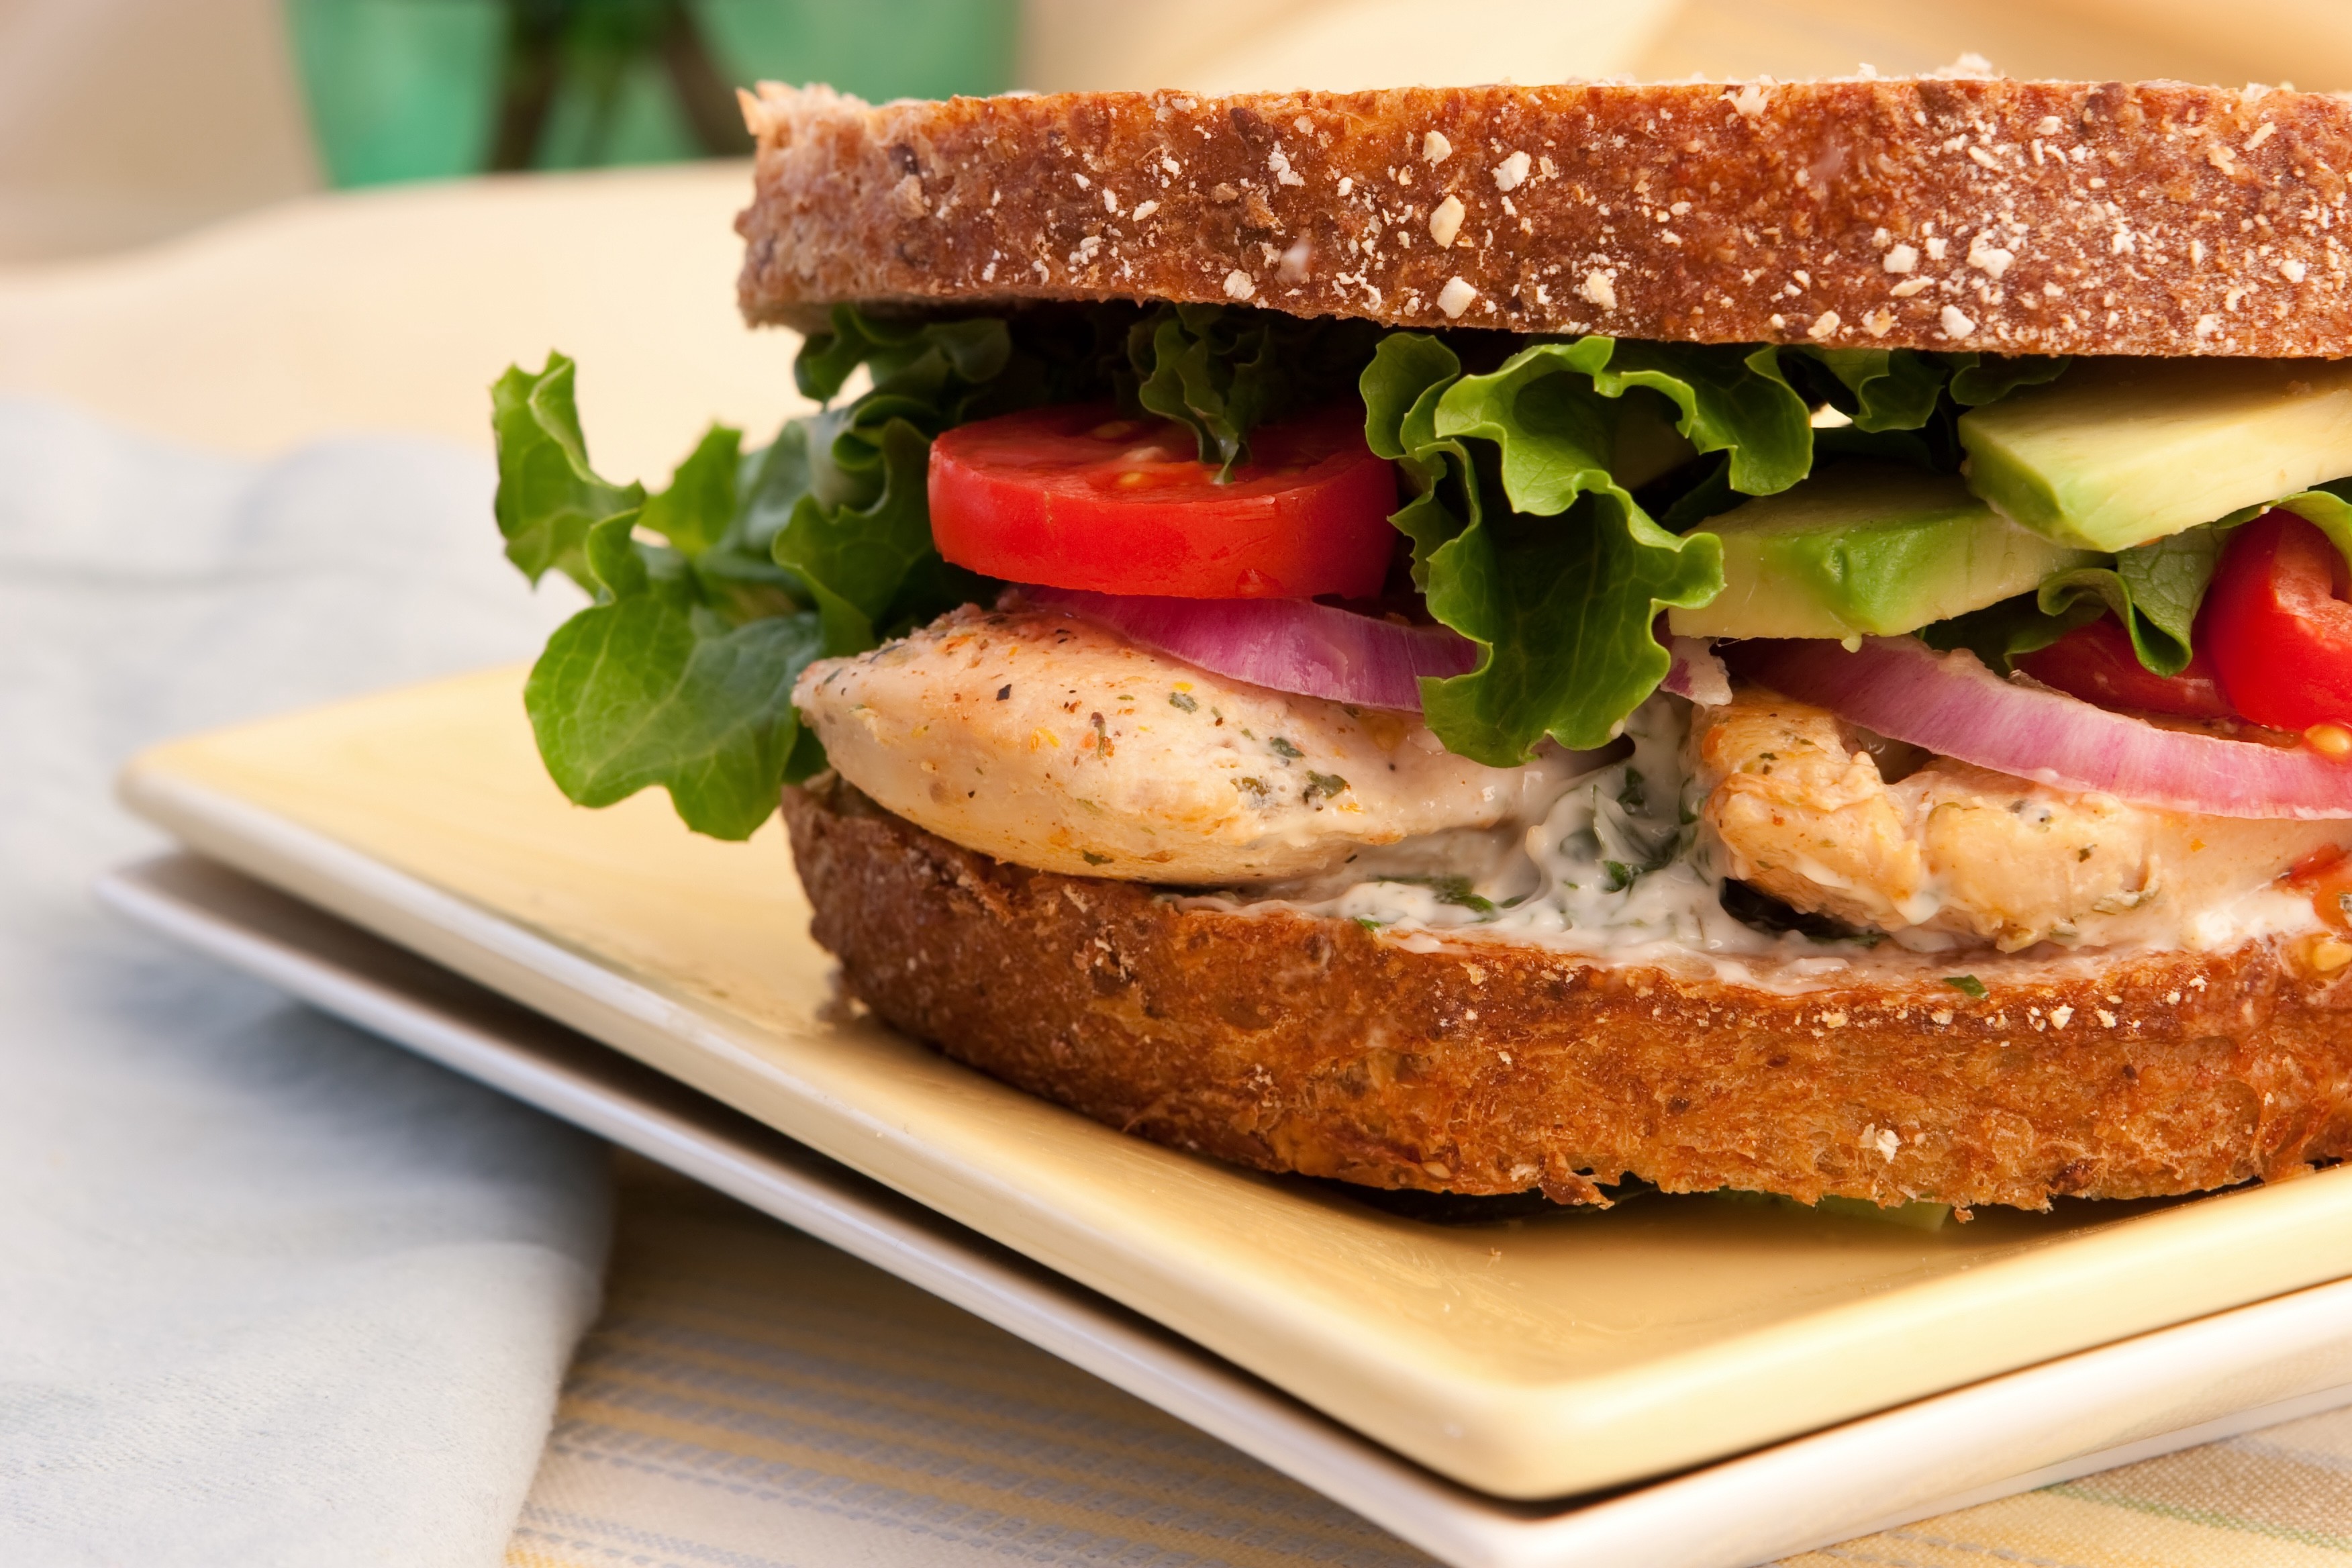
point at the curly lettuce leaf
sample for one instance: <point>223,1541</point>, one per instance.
<point>2327,508</point>
<point>1545,404</point>
<point>2000,633</point>
<point>1523,542</point>
<point>663,680</point>
<point>2154,591</point>
<point>714,593</point>
<point>1401,386</point>
<point>548,496</point>
<point>1978,379</point>
<point>860,555</point>
<point>645,691</point>
<point>656,682</point>
<point>1904,404</point>
<point>1222,372</point>
<point>1903,389</point>
<point>856,530</point>
<point>1878,389</point>
<point>912,353</point>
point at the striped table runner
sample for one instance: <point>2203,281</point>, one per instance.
<point>752,1398</point>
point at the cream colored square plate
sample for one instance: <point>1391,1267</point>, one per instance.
<point>2269,1362</point>
<point>1551,1355</point>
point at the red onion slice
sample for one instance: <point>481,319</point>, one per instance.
<point>1952,705</point>
<point>1316,651</point>
<point>1696,673</point>
<point>1285,645</point>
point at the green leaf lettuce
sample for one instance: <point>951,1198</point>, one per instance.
<point>714,593</point>
<point>1222,372</point>
<point>2153,590</point>
<point>1525,540</point>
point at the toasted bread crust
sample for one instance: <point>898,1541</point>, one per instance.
<point>2043,218</point>
<point>1295,1043</point>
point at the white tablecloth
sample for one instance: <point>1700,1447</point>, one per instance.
<point>270,1290</point>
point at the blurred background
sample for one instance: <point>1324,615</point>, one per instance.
<point>259,196</point>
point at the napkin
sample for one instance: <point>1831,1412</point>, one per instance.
<point>271,1291</point>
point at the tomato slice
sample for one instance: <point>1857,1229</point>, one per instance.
<point>2277,626</point>
<point>2096,663</point>
<point>1081,497</point>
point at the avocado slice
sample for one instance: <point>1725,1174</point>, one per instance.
<point>2120,451</point>
<point>1866,549</point>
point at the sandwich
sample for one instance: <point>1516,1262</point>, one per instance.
<point>1790,638</point>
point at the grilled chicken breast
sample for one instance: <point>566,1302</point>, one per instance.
<point>1044,740</point>
<point>1806,813</point>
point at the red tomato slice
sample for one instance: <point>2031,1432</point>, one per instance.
<point>2096,663</point>
<point>2277,626</point>
<point>1079,497</point>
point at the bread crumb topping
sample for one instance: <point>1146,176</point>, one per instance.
<point>1446,222</point>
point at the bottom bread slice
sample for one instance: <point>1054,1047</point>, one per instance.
<point>1293,1042</point>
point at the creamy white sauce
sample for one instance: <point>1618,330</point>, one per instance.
<point>1614,865</point>
<point>2264,912</point>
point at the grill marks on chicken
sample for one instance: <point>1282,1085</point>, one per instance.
<point>1803,811</point>
<point>1050,743</point>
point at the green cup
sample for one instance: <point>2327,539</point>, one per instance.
<point>410,89</point>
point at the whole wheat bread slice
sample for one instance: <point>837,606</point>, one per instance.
<point>1292,1042</point>
<point>2010,216</point>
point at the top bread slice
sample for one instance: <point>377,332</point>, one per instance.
<point>1954,213</point>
